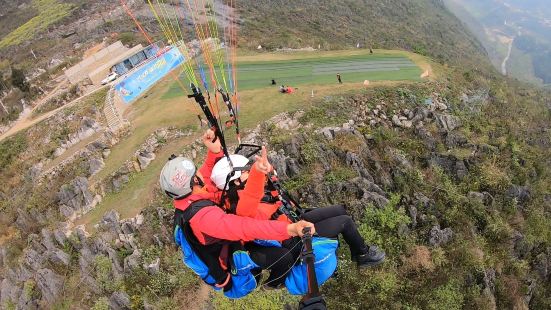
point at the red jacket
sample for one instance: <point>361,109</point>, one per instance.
<point>250,204</point>
<point>212,223</point>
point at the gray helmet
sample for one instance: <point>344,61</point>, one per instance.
<point>176,177</point>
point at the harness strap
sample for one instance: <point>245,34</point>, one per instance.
<point>208,254</point>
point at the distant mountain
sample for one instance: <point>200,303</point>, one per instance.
<point>425,27</point>
<point>515,33</point>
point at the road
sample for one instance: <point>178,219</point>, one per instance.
<point>504,63</point>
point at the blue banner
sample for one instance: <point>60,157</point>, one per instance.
<point>135,84</point>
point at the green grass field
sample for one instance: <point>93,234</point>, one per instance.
<point>320,71</point>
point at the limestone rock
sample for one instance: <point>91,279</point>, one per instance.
<point>396,121</point>
<point>119,181</point>
<point>448,122</point>
<point>145,158</point>
<point>154,267</point>
<point>9,292</point>
<point>110,222</point>
<point>47,239</point>
<point>59,258</point>
<point>520,193</point>
<point>133,261</point>
<point>69,213</point>
<point>33,259</point>
<point>95,164</point>
<point>61,234</point>
<point>454,139</point>
<point>119,301</point>
<point>521,247</point>
<point>439,237</point>
<point>50,284</point>
<point>542,264</point>
<point>77,195</point>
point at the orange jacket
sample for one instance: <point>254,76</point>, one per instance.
<point>250,204</point>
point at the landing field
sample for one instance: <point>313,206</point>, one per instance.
<point>166,104</point>
<point>296,69</point>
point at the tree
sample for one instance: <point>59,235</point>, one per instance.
<point>18,80</point>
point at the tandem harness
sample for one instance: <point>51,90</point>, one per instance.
<point>236,279</point>
<point>221,264</point>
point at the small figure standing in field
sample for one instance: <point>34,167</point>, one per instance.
<point>370,50</point>
<point>339,78</point>
<point>273,82</point>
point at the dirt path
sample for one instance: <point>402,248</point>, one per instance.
<point>201,297</point>
<point>28,121</point>
<point>504,63</point>
<point>70,152</point>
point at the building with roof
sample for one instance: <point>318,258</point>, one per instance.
<point>113,58</point>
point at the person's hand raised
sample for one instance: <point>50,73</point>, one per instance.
<point>262,163</point>
<point>215,146</point>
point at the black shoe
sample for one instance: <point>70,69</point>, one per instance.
<point>373,257</point>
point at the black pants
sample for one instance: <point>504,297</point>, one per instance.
<point>332,221</point>
<point>329,222</point>
<point>278,260</point>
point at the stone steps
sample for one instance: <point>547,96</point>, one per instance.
<point>114,119</point>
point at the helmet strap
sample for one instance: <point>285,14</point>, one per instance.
<point>196,180</point>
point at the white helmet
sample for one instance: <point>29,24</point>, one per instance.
<point>176,177</point>
<point>222,169</point>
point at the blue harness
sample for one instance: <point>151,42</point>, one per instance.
<point>204,260</point>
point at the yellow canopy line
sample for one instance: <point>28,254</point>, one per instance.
<point>185,48</point>
<point>178,42</point>
<point>170,36</point>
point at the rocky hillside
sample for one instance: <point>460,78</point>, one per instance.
<point>451,178</point>
<point>437,174</point>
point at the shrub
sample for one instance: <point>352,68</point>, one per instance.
<point>101,304</point>
<point>127,38</point>
<point>51,11</point>
<point>163,284</point>
<point>339,174</point>
<point>11,148</point>
<point>380,226</point>
<point>18,80</point>
<point>493,178</point>
<point>104,275</point>
<point>265,300</point>
<point>448,297</point>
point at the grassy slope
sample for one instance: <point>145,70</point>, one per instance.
<point>51,11</point>
<point>15,14</point>
<point>165,105</point>
<point>422,25</point>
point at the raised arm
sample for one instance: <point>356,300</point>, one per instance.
<point>250,196</point>
<point>214,153</point>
